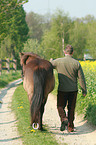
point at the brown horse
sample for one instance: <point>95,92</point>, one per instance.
<point>38,82</point>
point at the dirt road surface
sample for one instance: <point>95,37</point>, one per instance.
<point>84,134</point>
<point>8,130</point>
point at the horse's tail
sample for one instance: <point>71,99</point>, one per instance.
<point>39,76</point>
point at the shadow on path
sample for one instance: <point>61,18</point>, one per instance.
<point>10,139</point>
<point>8,122</point>
<point>82,129</point>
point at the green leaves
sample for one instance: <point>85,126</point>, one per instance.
<point>9,10</point>
<point>14,28</point>
<point>52,39</point>
<point>80,33</point>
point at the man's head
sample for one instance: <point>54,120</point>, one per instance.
<point>68,50</point>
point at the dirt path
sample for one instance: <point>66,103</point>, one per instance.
<point>84,134</point>
<point>8,129</point>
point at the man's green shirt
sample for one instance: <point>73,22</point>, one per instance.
<point>69,71</point>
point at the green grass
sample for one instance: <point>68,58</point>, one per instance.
<point>5,78</point>
<point>20,105</point>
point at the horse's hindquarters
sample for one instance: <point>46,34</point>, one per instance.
<point>28,83</point>
<point>50,84</point>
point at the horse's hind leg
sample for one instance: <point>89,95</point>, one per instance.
<point>41,115</point>
<point>29,97</point>
<point>41,111</point>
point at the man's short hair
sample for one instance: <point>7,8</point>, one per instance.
<point>69,49</point>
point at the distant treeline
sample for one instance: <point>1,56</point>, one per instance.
<point>47,35</point>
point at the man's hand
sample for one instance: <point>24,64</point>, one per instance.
<point>51,59</point>
<point>84,95</point>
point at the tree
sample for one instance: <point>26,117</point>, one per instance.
<point>77,38</point>
<point>5,50</point>
<point>52,39</point>
<point>15,28</point>
<point>7,8</point>
<point>32,45</point>
<point>37,25</point>
<point>82,36</point>
<point>88,19</point>
<point>91,39</point>
<point>18,30</point>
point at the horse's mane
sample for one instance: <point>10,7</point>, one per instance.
<point>25,55</point>
<point>31,54</point>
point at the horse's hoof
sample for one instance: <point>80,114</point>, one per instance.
<point>41,129</point>
<point>35,125</point>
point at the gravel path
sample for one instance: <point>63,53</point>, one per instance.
<point>84,134</point>
<point>8,130</point>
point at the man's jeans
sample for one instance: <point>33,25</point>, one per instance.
<point>69,99</point>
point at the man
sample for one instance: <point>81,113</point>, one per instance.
<point>69,71</point>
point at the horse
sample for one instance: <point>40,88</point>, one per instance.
<point>38,82</point>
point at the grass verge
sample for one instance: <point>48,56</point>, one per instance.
<point>5,78</point>
<point>20,105</point>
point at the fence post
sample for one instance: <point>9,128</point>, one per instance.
<point>15,64</point>
<point>8,65</point>
<point>0,66</point>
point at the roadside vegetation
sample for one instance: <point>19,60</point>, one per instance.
<point>6,78</point>
<point>87,105</point>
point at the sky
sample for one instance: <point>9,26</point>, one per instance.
<point>75,8</point>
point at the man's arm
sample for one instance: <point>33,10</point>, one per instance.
<point>53,63</point>
<point>82,81</point>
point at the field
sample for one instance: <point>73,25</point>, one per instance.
<point>87,105</point>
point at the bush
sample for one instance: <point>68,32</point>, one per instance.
<point>5,78</point>
<point>87,105</point>
<point>90,113</point>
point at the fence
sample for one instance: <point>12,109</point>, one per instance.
<point>8,65</point>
